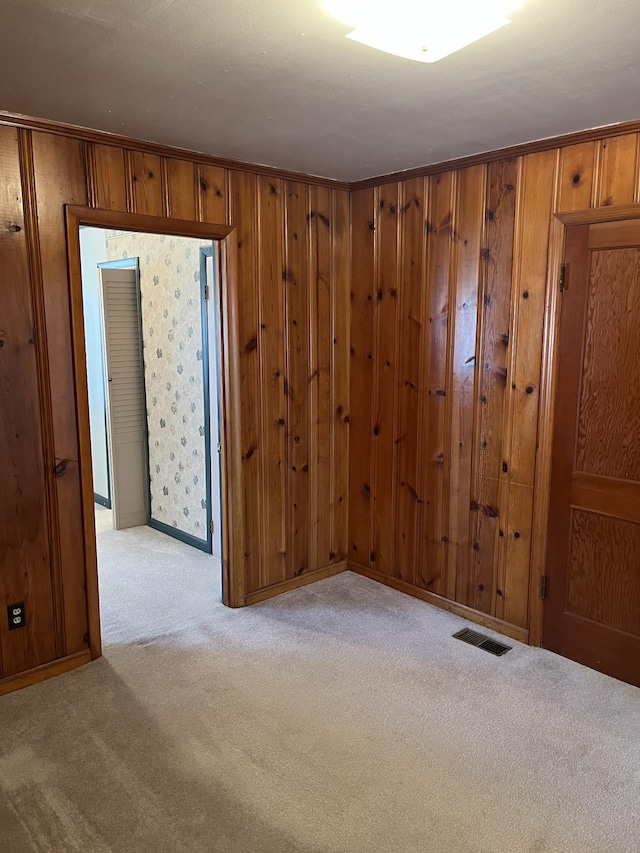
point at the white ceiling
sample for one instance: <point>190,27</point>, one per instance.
<point>275,81</point>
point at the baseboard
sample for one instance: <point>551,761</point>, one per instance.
<point>491,622</point>
<point>294,583</point>
<point>41,673</point>
<point>187,538</point>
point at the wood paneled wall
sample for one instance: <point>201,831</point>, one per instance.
<point>390,344</point>
<point>449,277</point>
<point>292,302</point>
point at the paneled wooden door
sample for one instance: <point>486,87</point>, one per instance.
<point>592,605</point>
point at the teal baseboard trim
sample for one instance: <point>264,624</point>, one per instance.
<point>187,538</point>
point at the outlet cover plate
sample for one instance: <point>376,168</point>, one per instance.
<point>16,615</point>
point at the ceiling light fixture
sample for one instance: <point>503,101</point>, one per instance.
<point>423,30</point>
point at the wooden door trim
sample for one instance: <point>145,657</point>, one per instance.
<point>233,573</point>
<point>595,215</point>
<point>548,380</point>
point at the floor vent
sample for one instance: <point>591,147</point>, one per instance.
<point>482,642</point>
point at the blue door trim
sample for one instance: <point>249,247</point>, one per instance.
<point>205,252</point>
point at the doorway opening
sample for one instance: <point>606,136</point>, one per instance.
<point>153,368</point>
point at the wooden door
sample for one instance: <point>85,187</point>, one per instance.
<point>592,605</point>
<point>126,420</point>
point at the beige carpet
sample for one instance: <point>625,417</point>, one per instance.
<point>104,518</point>
<point>340,718</point>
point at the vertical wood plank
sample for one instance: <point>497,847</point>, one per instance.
<point>363,225</point>
<point>299,382</point>
<point>181,188</point>
<point>340,402</point>
<point>244,205</point>
<point>273,368</point>
<point>537,195</point>
<point>146,183</point>
<point>110,183</point>
<point>463,346</point>
<point>576,181</point>
<point>517,534</point>
<point>491,371</point>
<point>25,556</point>
<point>212,194</point>
<point>320,373</point>
<point>409,376</point>
<point>385,364</point>
<point>58,165</point>
<point>432,568</point>
<point>618,170</point>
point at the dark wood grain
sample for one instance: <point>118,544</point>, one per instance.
<point>212,193</point>
<point>180,188</point>
<point>594,508</point>
<point>577,171</point>
<point>597,593</point>
<point>412,330</point>
<point>491,387</point>
<point>339,338</point>
<point>300,378</point>
<point>244,206</point>
<point>60,178</point>
<point>618,160</point>
<point>385,400</point>
<point>320,373</point>
<point>608,438</point>
<point>110,188</point>
<point>364,217</point>
<point>145,177</point>
<point>25,558</point>
<point>273,375</point>
<point>441,235</point>
<point>462,379</point>
<point>426,477</point>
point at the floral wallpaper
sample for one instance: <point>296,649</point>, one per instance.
<point>173,361</point>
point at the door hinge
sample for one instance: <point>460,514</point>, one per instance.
<point>206,291</point>
<point>219,448</point>
<point>562,273</point>
<point>211,526</point>
<point>543,587</point>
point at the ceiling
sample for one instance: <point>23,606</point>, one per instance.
<point>275,82</point>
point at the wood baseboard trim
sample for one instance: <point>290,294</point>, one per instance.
<point>41,673</point>
<point>294,583</point>
<point>512,631</point>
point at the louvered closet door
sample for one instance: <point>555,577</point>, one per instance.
<point>125,397</point>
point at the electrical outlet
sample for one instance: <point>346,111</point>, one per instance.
<point>16,615</point>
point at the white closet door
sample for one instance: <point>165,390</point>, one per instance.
<point>125,397</point>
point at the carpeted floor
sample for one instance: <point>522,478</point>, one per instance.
<point>104,518</point>
<point>339,718</point>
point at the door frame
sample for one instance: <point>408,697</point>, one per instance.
<point>548,381</point>
<point>233,586</point>
<point>211,371</point>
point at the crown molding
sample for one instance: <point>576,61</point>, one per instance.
<point>592,135</point>
<point>102,137</point>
